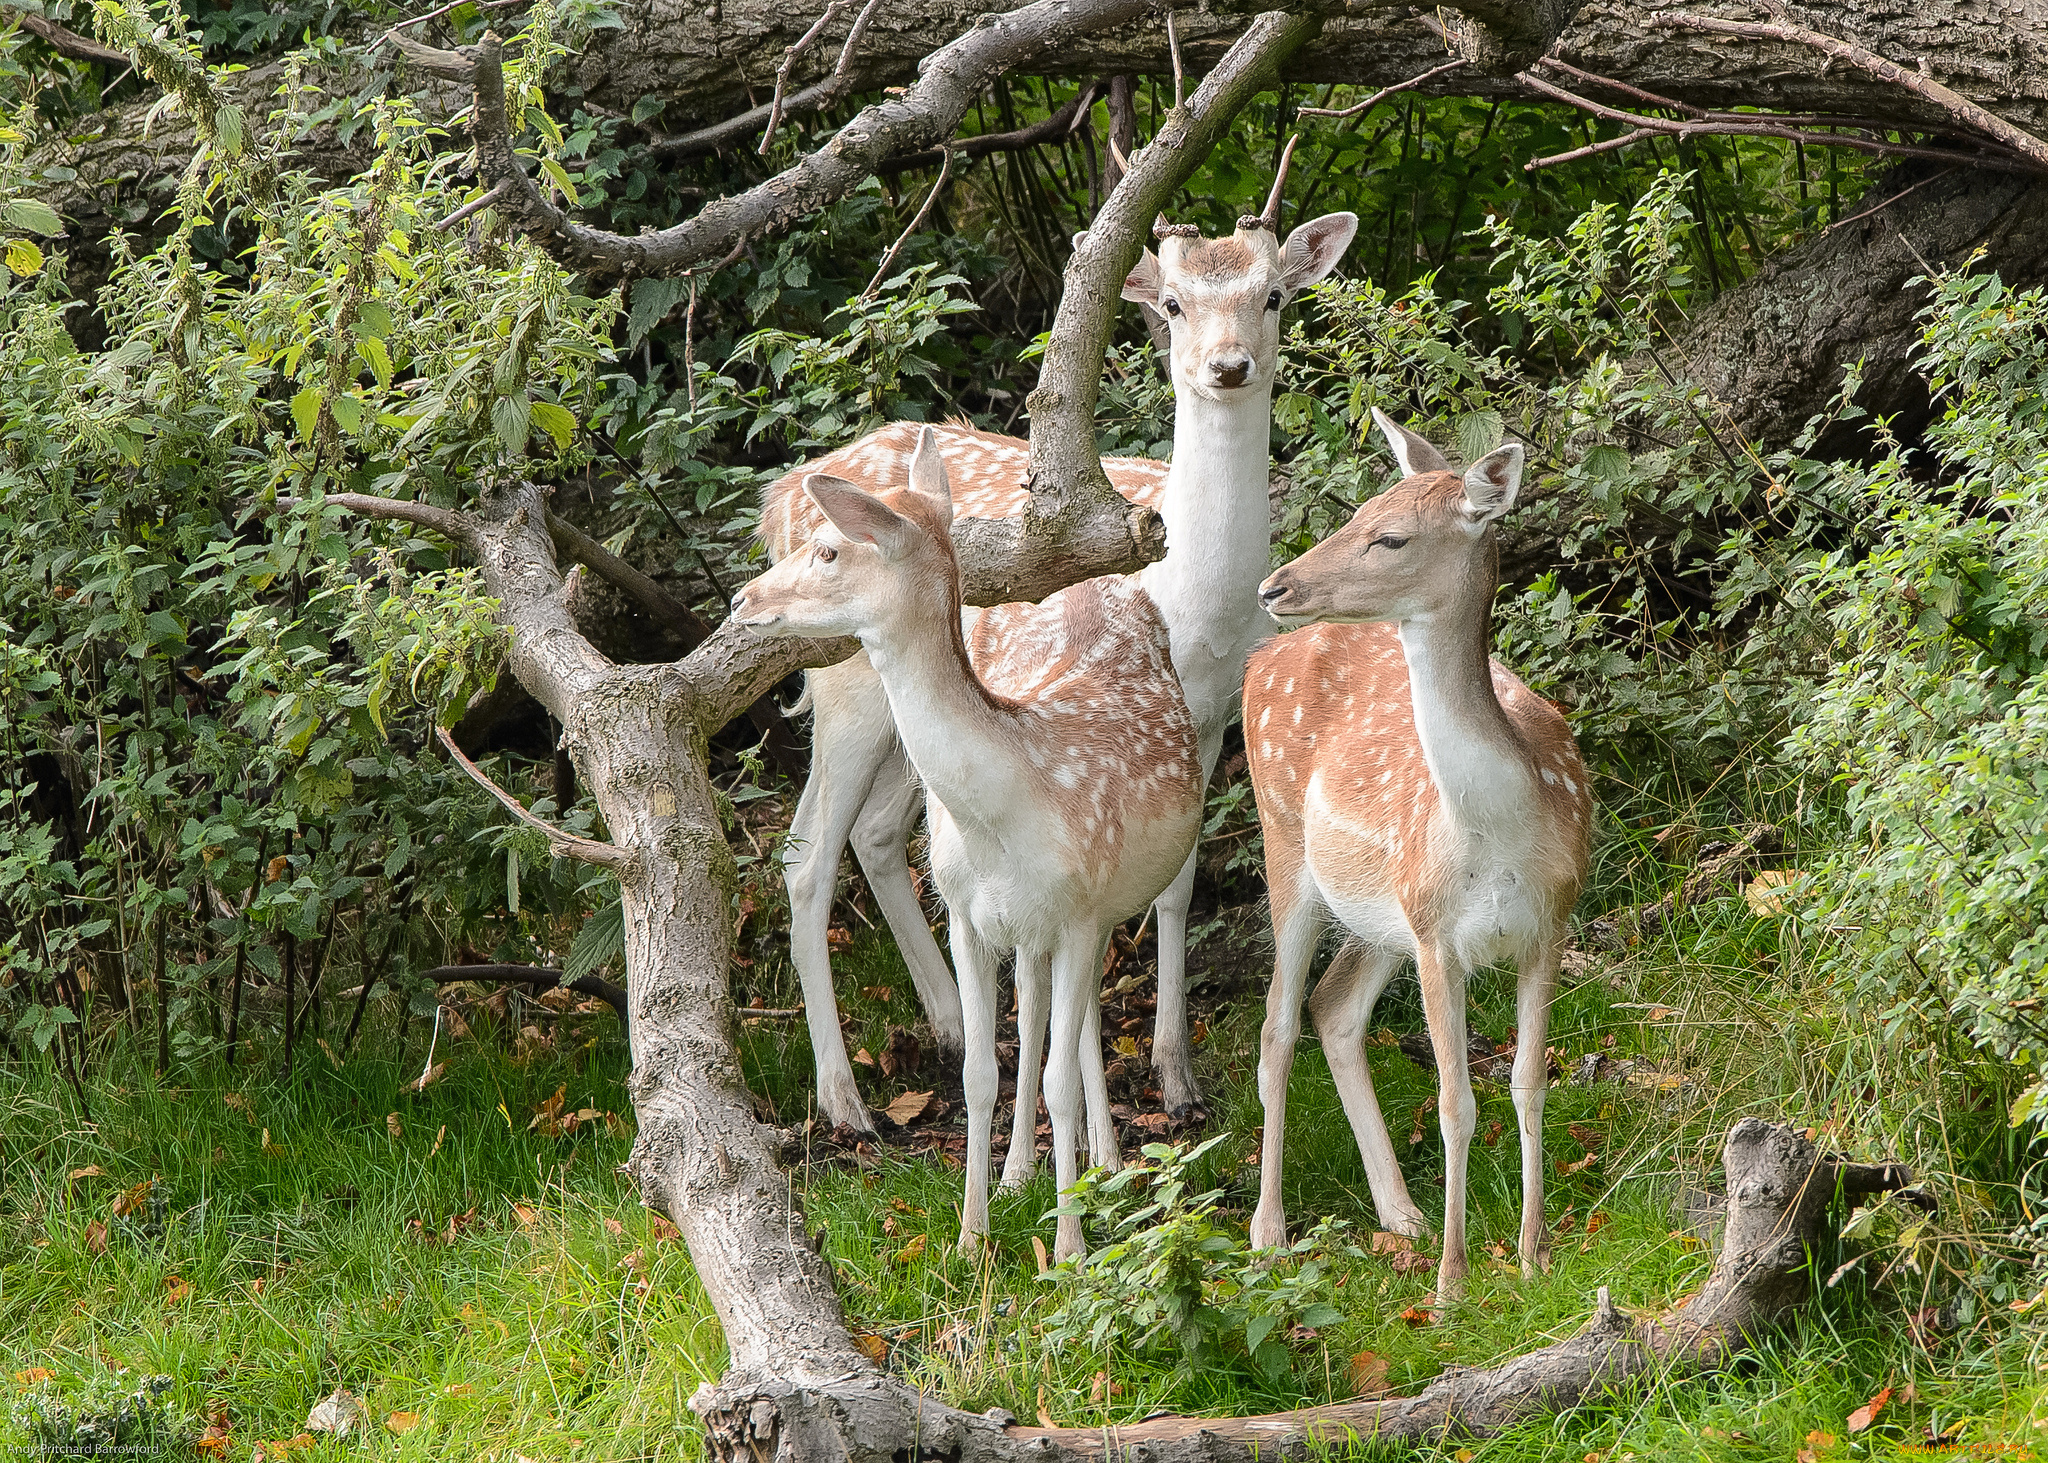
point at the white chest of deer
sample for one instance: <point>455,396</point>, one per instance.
<point>1427,800</point>
<point>1056,813</point>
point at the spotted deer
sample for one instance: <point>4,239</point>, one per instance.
<point>1058,807</point>
<point>1221,300</point>
<point>1415,791</point>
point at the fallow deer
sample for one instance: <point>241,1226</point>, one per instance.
<point>1416,791</point>
<point>1056,811</point>
<point>1222,300</point>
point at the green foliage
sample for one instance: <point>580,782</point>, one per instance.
<point>1173,1279</point>
<point>108,1414</point>
<point>1933,718</point>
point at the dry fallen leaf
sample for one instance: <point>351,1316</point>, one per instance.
<point>34,1375</point>
<point>280,1448</point>
<point>1038,1250</point>
<point>1589,1138</point>
<point>1384,1242</point>
<point>908,1108</point>
<point>438,1139</point>
<point>1767,893</point>
<point>96,1238</point>
<point>1103,1389</point>
<point>133,1199</point>
<point>1044,1412</point>
<point>1409,1262</point>
<point>92,1171</point>
<point>912,1251</point>
<point>1865,1415</point>
<point>393,1126</point>
<point>274,870</point>
<point>526,1214</point>
<point>175,1289</point>
<point>340,1414</point>
<point>871,1346</point>
<point>612,1226</point>
<point>213,1443</point>
<point>1368,1374</point>
<point>1418,1316</point>
<point>881,993</point>
<point>458,1390</point>
<point>862,1058</point>
<point>1577,1166</point>
<point>428,1077</point>
<point>1492,1134</point>
<point>662,1230</point>
<point>402,1422</point>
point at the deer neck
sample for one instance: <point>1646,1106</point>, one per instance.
<point>1218,544</point>
<point>1476,759</point>
<point>963,742</point>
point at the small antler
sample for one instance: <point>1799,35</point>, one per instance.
<point>1270,219</point>
<point>1161,229</point>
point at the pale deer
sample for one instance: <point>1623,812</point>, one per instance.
<point>1055,811</point>
<point>1222,301</point>
<point>1416,791</point>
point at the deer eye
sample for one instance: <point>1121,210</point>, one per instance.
<point>1273,300</point>
<point>826,553</point>
<point>1388,541</point>
<point>1172,306</point>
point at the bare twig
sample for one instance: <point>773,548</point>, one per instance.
<point>1734,124</point>
<point>945,171</point>
<point>1065,121</point>
<point>1961,108</point>
<point>560,841</point>
<point>502,188</point>
<point>451,5</point>
<point>1179,73</point>
<point>789,58</point>
<point>1588,150</point>
<point>1880,208</point>
<point>1647,98</point>
<point>1381,95</point>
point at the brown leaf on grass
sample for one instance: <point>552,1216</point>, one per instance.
<point>1152,1122</point>
<point>240,1104</point>
<point>662,1230</point>
<point>613,1227</point>
<point>1423,1110</point>
<point>908,1108</point>
<point>339,1413</point>
<point>402,1422</point>
<point>1418,1316</point>
<point>1769,892</point>
<point>176,1289</point>
<point>1103,1389</point>
<point>1492,1134</point>
<point>1597,1221</point>
<point>880,993</point>
<point>1044,1411</point>
<point>130,1200</point>
<point>1865,1415</point>
<point>901,1055</point>
<point>1038,1252</point>
<point>1587,1137</point>
<point>213,1443</point>
<point>527,1215</point>
<point>91,1171</point>
<point>1368,1374</point>
<point>1577,1165</point>
<point>393,1125</point>
<point>633,1262</point>
<point>871,1346</point>
<point>889,1226</point>
<point>838,939</point>
<point>462,1391</point>
<point>1200,1034</point>
<point>274,870</point>
<point>1385,1242</point>
<point>1410,1262</point>
<point>96,1238</point>
<point>34,1376</point>
<point>911,1252</point>
<point>861,1058</point>
<point>280,1448</point>
<point>438,1139</point>
<point>427,1078</point>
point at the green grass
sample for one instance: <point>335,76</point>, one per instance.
<point>536,1332</point>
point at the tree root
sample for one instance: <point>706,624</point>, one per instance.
<point>1780,1190</point>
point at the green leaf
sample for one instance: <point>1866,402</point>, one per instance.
<point>24,258</point>
<point>557,421</point>
<point>509,420</point>
<point>231,128</point>
<point>561,176</point>
<point>1320,1315</point>
<point>348,410</point>
<point>1477,433</point>
<point>646,107</point>
<point>1608,462</point>
<point>376,357</point>
<point>1257,1329</point>
<point>372,318</point>
<point>306,411</point>
<point>602,937</point>
<point>32,214</point>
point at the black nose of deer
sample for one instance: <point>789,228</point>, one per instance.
<point>1230,370</point>
<point>1271,593</point>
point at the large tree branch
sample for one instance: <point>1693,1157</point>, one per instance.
<point>64,42</point>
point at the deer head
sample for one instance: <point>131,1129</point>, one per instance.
<point>876,559</point>
<point>1411,553</point>
<point>1221,298</point>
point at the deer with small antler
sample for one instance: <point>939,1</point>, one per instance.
<point>1221,300</point>
<point>1415,791</point>
<point>1058,808</point>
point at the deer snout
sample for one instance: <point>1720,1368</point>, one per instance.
<point>1230,369</point>
<point>746,609</point>
<point>1273,592</point>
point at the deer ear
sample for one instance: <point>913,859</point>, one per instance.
<point>1144,281</point>
<point>860,515</point>
<point>1492,482</point>
<point>1411,449</point>
<point>928,473</point>
<point>1314,248</point>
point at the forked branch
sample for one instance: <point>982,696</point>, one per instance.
<point>560,841</point>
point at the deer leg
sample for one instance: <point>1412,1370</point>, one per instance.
<point>1076,981</point>
<point>1170,1055</point>
<point>880,835</point>
<point>1443,1003</point>
<point>1034,995</point>
<point>1297,920</point>
<point>1342,1009</point>
<point>979,1076</point>
<point>1534,992</point>
<point>852,736</point>
<point>1103,1149</point>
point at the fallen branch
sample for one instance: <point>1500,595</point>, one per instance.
<point>1780,1189</point>
<point>535,975</point>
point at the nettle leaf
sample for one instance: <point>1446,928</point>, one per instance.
<point>510,419</point>
<point>377,357</point>
<point>1606,462</point>
<point>1477,433</point>
<point>306,411</point>
<point>32,214</point>
<point>602,938</point>
<point>24,258</point>
<point>557,421</point>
